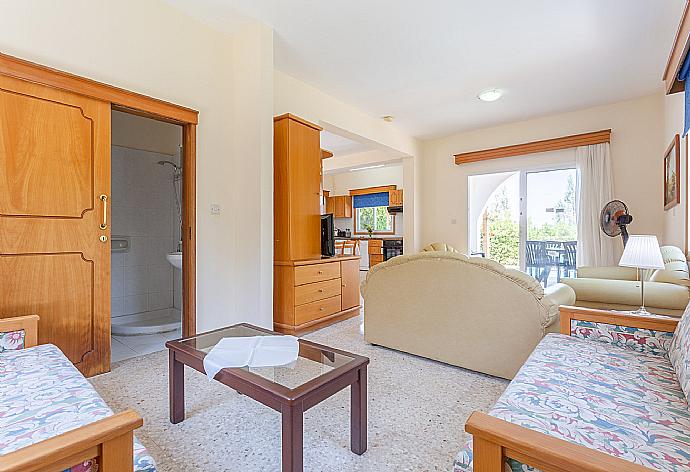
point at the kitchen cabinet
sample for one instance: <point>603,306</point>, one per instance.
<point>350,284</point>
<point>395,197</point>
<point>340,206</point>
<point>375,252</point>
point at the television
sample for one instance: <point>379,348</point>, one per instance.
<point>327,235</point>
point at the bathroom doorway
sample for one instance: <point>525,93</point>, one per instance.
<point>146,234</point>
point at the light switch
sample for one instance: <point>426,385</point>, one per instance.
<point>215,209</point>
<point>453,221</point>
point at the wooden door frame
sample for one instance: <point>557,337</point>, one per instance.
<point>142,105</point>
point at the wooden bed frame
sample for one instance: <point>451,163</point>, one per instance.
<point>495,440</point>
<point>110,440</point>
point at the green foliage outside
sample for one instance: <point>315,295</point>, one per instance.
<point>376,218</point>
<point>504,232</point>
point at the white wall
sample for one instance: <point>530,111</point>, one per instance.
<point>636,147</point>
<point>151,48</point>
<point>675,219</point>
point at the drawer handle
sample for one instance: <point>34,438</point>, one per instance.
<point>344,285</point>
<point>320,272</point>
<point>320,290</point>
<point>321,309</point>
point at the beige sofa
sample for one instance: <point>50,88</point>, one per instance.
<point>469,312</point>
<point>667,291</point>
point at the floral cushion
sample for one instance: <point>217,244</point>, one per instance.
<point>12,340</point>
<point>641,340</point>
<point>679,352</point>
<point>617,400</point>
<point>43,395</point>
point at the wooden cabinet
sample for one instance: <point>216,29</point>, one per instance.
<point>395,197</point>
<point>297,187</point>
<point>350,283</point>
<point>340,206</point>
<point>375,252</point>
<point>312,293</point>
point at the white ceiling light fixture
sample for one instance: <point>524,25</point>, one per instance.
<point>367,167</point>
<point>490,95</point>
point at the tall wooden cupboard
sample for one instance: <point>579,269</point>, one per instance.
<point>309,291</point>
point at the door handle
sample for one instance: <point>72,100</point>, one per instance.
<point>104,199</point>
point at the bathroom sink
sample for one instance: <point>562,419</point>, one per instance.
<point>175,259</point>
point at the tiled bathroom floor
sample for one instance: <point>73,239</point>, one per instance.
<point>124,347</point>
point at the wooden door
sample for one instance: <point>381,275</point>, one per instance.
<point>349,274</point>
<point>54,167</point>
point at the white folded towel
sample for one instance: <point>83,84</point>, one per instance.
<point>252,351</point>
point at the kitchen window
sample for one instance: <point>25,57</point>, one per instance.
<point>376,218</point>
<point>371,214</point>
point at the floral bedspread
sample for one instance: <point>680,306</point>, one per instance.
<point>44,395</point>
<point>618,400</point>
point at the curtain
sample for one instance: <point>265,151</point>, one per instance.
<point>594,190</point>
<point>370,200</point>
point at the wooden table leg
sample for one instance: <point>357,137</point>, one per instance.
<point>292,438</point>
<point>358,413</point>
<point>176,388</point>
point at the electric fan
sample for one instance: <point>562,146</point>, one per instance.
<point>614,217</point>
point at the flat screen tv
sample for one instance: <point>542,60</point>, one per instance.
<point>327,235</point>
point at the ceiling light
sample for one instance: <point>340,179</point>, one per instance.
<point>490,95</point>
<point>367,167</point>
<point>388,118</point>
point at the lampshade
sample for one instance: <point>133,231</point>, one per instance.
<point>642,252</point>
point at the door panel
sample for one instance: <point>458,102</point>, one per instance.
<point>65,166</point>
<point>350,280</point>
<point>55,164</point>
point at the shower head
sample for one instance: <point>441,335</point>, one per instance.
<point>174,166</point>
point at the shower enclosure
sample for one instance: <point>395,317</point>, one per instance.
<point>146,282</point>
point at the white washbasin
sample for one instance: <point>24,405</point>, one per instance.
<point>175,259</point>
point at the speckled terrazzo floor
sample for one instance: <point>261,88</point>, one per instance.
<point>417,409</point>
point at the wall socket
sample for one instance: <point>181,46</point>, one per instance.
<point>215,209</point>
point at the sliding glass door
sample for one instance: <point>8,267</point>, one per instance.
<point>526,220</point>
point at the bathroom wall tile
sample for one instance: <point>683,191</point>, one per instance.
<point>136,303</point>
<point>136,280</point>
<point>160,300</point>
<point>177,288</point>
<point>117,306</point>
<point>117,281</point>
<point>117,259</point>
<point>159,278</point>
<point>143,208</point>
<point>159,222</point>
<point>138,251</point>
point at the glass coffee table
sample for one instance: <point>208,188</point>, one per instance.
<point>318,373</point>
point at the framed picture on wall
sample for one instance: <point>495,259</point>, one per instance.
<point>672,174</point>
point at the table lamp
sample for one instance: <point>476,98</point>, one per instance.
<point>642,252</point>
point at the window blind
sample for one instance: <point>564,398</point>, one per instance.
<point>370,200</point>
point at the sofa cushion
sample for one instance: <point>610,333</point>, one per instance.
<point>12,340</point>
<point>626,292</point>
<point>44,395</point>
<point>679,353</point>
<point>614,399</point>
